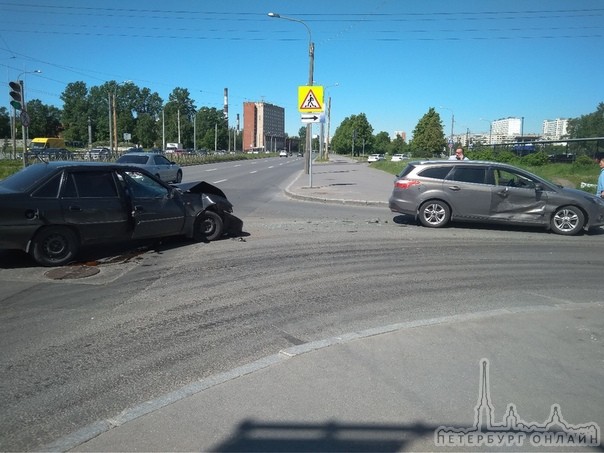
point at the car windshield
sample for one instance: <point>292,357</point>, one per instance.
<point>130,159</point>
<point>24,179</point>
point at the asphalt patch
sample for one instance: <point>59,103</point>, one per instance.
<point>72,272</point>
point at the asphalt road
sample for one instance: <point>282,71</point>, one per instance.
<point>76,351</point>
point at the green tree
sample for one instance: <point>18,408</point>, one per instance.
<point>179,112</point>
<point>98,111</point>
<point>45,120</point>
<point>586,126</point>
<point>302,135</point>
<point>354,132</point>
<point>209,121</point>
<point>146,132</point>
<point>381,143</point>
<point>75,112</point>
<point>126,102</point>
<point>398,145</point>
<point>428,135</point>
<point>4,123</point>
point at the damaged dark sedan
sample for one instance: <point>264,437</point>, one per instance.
<point>50,210</point>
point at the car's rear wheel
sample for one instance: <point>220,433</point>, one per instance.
<point>54,246</point>
<point>179,177</point>
<point>567,220</point>
<point>434,214</point>
<point>208,227</point>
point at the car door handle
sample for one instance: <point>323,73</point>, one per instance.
<point>75,208</point>
<point>455,188</point>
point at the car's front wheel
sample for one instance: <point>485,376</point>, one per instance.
<point>208,227</point>
<point>567,220</point>
<point>178,177</point>
<point>434,214</point>
<point>54,246</point>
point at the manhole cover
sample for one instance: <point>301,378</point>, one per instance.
<point>69,272</point>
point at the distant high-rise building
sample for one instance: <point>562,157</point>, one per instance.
<point>555,129</point>
<point>263,126</point>
<point>505,129</point>
<point>401,134</point>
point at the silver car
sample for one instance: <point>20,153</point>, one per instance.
<point>437,192</point>
<point>156,164</point>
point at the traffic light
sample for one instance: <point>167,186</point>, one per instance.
<point>16,92</point>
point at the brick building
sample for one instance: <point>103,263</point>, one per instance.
<point>263,127</point>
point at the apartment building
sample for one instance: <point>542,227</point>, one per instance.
<point>555,129</point>
<point>263,127</point>
<point>505,129</point>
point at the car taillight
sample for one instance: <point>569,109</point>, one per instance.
<point>405,183</point>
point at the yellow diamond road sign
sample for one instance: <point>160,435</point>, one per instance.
<point>310,99</point>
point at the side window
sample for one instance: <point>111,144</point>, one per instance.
<point>513,179</point>
<point>435,172</point>
<point>468,174</point>
<point>141,186</point>
<point>161,160</point>
<point>91,185</point>
<point>50,189</point>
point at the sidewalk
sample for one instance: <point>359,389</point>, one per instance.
<point>385,389</point>
<point>382,390</point>
<point>343,180</point>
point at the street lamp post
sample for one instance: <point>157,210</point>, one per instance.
<point>328,118</point>
<point>311,65</point>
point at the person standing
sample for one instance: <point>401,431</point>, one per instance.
<point>459,155</point>
<point>600,188</point>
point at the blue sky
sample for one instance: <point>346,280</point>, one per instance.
<point>476,60</point>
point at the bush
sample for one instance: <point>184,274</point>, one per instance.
<point>584,161</point>
<point>535,159</point>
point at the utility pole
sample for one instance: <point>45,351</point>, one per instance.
<point>110,122</point>
<point>114,122</point>
<point>23,134</point>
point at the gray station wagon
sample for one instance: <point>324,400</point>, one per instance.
<point>437,192</point>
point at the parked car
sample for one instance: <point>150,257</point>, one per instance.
<point>100,153</point>
<point>375,157</point>
<point>157,164</point>
<point>437,192</point>
<point>45,154</point>
<point>398,157</point>
<point>51,210</point>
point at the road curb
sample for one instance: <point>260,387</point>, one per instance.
<point>317,199</point>
<point>73,440</point>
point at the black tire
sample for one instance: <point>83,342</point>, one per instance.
<point>178,177</point>
<point>208,227</point>
<point>567,220</point>
<point>54,246</point>
<point>434,214</point>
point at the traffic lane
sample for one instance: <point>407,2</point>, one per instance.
<point>186,313</point>
<point>219,172</point>
<point>248,184</point>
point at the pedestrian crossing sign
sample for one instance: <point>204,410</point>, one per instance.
<point>310,99</point>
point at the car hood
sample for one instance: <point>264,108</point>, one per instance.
<point>577,193</point>
<point>199,187</point>
<point>7,191</point>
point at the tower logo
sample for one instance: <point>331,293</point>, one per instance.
<point>512,431</point>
